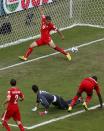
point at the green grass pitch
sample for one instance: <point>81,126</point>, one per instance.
<point>59,76</point>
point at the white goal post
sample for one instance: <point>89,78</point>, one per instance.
<point>24,25</point>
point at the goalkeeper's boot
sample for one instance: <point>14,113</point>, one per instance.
<point>22,58</point>
<point>85,106</point>
<point>68,56</point>
<point>70,109</point>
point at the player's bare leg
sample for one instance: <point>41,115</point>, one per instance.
<point>20,126</point>
<point>51,44</point>
<point>85,104</point>
<point>73,103</point>
<point>5,124</point>
<point>28,52</point>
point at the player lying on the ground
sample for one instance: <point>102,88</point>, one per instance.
<point>46,99</point>
<point>87,85</point>
<point>11,106</point>
<point>46,27</point>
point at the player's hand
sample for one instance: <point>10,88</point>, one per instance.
<point>21,99</point>
<point>62,37</point>
<point>34,109</point>
<point>43,113</point>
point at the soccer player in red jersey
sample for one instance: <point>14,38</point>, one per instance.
<point>87,85</point>
<point>46,27</point>
<point>11,104</point>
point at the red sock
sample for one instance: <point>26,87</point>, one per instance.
<point>60,50</point>
<point>6,125</point>
<point>21,127</point>
<point>28,52</point>
<point>88,99</point>
<point>74,101</point>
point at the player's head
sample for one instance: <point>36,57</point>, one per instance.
<point>48,19</point>
<point>13,82</point>
<point>35,88</point>
<point>95,78</point>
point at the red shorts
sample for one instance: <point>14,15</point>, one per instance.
<point>43,41</point>
<point>87,90</point>
<point>11,112</point>
<point>86,87</point>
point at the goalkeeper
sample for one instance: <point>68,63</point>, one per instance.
<point>46,27</point>
<point>46,99</point>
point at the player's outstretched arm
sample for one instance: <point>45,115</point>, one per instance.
<point>97,88</point>
<point>60,34</point>
<point>41,10</point>
<point>5,103</point>
<point>100,100</point>
<point>21,97</point>
<point>36,107</point>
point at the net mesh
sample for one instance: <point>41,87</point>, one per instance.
<point>65,13</point>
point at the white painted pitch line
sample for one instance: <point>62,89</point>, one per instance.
<point>46,56</point>
<point>56,119</point>
<point>62,117</point>
<point>89,43</point>
<point>15,125</point>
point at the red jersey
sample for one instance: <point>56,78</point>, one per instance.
<point>12,109</point>
<point>45,29</point>
<point>88,84</point>
<point>14,93</point>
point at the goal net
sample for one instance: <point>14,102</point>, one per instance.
<point>24,25</point>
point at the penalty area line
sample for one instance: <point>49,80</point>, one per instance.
<point>46,56</point>
<point>61,117</point>
<point>12,125</point>
<point>56,119</point>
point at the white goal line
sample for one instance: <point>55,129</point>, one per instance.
<point>37,36</point>
<point>56,119</point>
<point>46,56</point>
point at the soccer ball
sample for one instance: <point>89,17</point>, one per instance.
<point>74,49</point>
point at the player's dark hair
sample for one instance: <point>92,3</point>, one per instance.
<point>48,18</point>
<point>35,88</point>
<point>13,82</point>
<point>95,78</point>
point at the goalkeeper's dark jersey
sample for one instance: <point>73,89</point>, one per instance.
<point>45,98</point>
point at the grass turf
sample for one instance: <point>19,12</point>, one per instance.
<point>59,76</point>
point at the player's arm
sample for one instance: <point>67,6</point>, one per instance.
<point>97,88</point>
<point>100,100</point>
<point>45,103</point>
<point>36,104</point>
<point>7,100</point>
<point>36,107</point>
<point>58,31</point>
<point>41,10</point>
<point>60,34</point>
<point>21,96</point>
